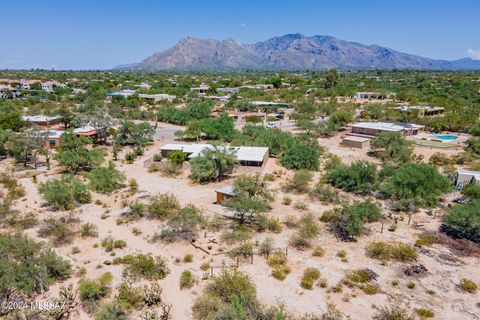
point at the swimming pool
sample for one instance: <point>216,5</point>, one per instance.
<point>446,137</point>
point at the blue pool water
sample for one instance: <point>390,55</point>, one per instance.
<point>446,137</point>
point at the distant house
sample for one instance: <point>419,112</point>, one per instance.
<point>374,95</point>
<point>270,104</point>
<point>157,97</point>
<point>266,86</point>
<point>42,121</point>
<point>356,142</point>
<point>124,93</point>
<point>228,90</point>
<point>464,178</point>
<point>87,131</point>
<point>425,111</point>
<point>371,129</point>
<point>202,89</point>
<point>8,92</point>
<point>221,99</point>
<point>246,156</point>
<point>49,86</point>
<point>143,86</point>
<point>53,139</point>
<point>224,194</point>
<point>241,117</point>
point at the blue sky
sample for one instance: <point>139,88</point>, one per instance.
<point>90,34</point>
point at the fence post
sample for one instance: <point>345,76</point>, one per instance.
<point>409,218</point>
<point>251,259</point>
<point>286,251</point>
<point>238,261</point>
<point>211,271</point>
<point>381,231</point>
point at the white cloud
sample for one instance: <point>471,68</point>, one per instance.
<point>474,54</point>
<point>243,25</point>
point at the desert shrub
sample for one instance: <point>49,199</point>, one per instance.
<point>310,275</point>
<point>465,217</point>
<point>111,311</point>
<point>169,169</point>
<point>109,244</point>
<point>278,261</point>
<point>318,251</point>
<point>411,285</point>
<point>420,184</point>
<point>186,280</point>
<point>330,215</point>
<point>145,267</point>
<point>63,193</point>
<point>28,267</point>
<point>135,211</point>
<point>468,285</point>
<point>264,222</point>
<point>91,292</point>
<point>353,216</point>
<point>300,181</point>
<point>245,250</point>
<point>391,251</point>
<point>425,239</point>
<point>231,283</point>
<point>291,221</point>
<point>324,193</point>
<point>370,289</point>
<point>395,311</point>
<point>58,230</point>
<point>237,234</point>
<point>206,307</point>
<point>183,225</point>
<point>301,156</point>
<point>266,246</point>
<point>359,276</point>
<point>14,189</point>
<point>341,253</point>
<point>106,179</point>
<point>188,258</point>
<point>205,266</point>
<point>163,206</point>
<point>88,230</point>
<point>424,313</point>
<point>360,177</point>
<point>129,296</point>
<point>287,201</point>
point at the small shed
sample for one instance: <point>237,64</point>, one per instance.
<point>356,142</point>
<point>224,193</point>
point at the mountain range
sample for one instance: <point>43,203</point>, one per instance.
<point>288,52</point>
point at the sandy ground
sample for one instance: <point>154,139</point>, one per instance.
<point>447,302</point>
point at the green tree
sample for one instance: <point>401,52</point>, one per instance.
<point>276,81</point>
<point>25,146</point>
<point>74,154</point>
<point>193,131</point>
<point>301,156</point>
<point>178,157</point>
<point>222,128</point>
<point>331,79</point>
<point>475,130</point>
<point>106,179</point>
<point>360,176</point>
<point>419,184</point>
<point>392,148</point>
<point>212,164</point>
<point>63,193</point>
<point>465,217</point>
<point>354,216</point>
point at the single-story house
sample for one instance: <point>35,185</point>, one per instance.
<point>42,121</point>
<point>464,177</point>
<point>371,129</point>
<point>270,104</point>
<point>228,90</point>
<point>425,111</point>
<point>224,194</point>
<point>124,93</point>
<point>201,90</point>
<point>246,156</point>
<point>356,142</point>
<point>157,96</point>
<point>87,131</point>
<point>374,95</point>
<point>53,139</point>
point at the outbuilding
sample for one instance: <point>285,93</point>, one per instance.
<point>356,142</point>
<point>224,194</point>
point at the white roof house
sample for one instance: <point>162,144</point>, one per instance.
<point>157,96</point>
<point>372,128</point>
<point>40,118</point>
<point>269,103</point>
<point>245,155</point>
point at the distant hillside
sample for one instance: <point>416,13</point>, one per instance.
<point>289,52</point>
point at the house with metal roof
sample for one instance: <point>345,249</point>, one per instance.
<point>246,156</point>
<point>371,129</point>
<point>464,178</point>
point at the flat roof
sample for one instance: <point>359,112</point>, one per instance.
<point>242,153</point>
<point>405,107</point>
<point>40,118</point>
<point>84,129</point>
<point>355,139</point>
<point>386,126</point>
<point>226,190</point>
<point>475,174</point>
<point>268,103</point>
